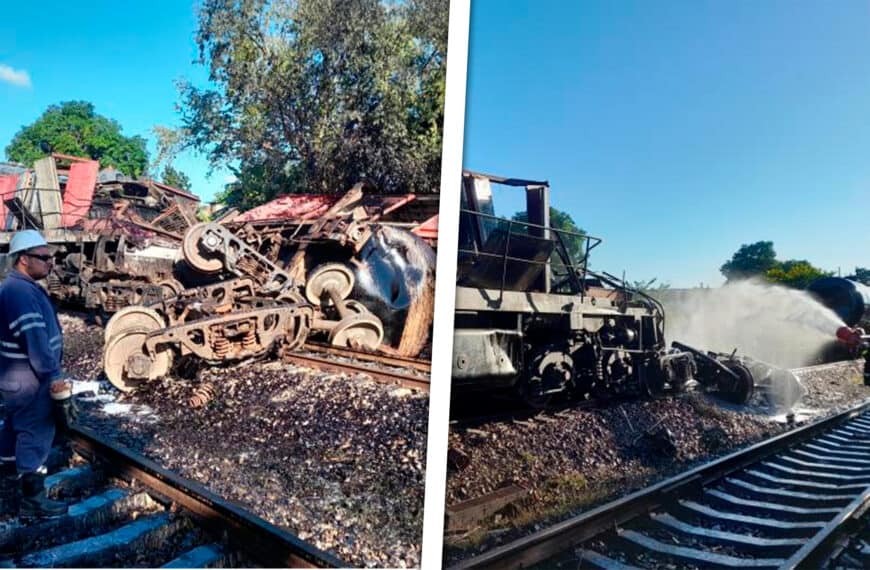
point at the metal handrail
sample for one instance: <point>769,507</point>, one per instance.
<point>576,271</point>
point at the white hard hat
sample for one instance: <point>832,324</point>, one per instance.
<point>24,240</point>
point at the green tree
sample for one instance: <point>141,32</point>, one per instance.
<point>575,244</point>
<point>750,261</point>
<point>176,178</point>
<point>796,273</point>
<point>73,127</point>
<point>169,143</point>
<point>862,275</point>
<point>314,96</point>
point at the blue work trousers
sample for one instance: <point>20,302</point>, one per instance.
<point>28,424</point>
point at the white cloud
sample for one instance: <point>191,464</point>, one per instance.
<point>17,77</point>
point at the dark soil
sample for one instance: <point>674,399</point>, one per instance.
<point>338,461</point>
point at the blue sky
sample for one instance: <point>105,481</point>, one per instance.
<point>678,131</point>
<point>123,57</point>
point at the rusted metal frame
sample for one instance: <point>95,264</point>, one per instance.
<point>135,219</point>
<point>166,188</point>
<point>166,213</point>
<point>389,377</point>
<point>557,538</point>
<point>406,200</point>
<point>389,360</point>
<point>178,334</point>
<point>264,542</point>
<point>235,250</point>
<point>233,290</point>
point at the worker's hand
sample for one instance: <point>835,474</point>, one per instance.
<point>65,410</point>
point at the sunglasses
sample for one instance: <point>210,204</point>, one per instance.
<point>44,258</point>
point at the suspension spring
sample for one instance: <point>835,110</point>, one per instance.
<point>250,339</point>
<point>221,346</point>
<point>202,395</point>
<point>112,304</point>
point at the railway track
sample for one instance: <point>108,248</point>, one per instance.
<point>127,511</point>
<point>383,359</point>
<point>396,370</point>
<point>781,503</point>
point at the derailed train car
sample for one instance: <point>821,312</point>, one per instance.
<point>533,319</point>
<point>115,239</point>
<point>336,275</point>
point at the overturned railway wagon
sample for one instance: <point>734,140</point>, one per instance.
<point>115,239</point>
<point>336,275</point>
<point>532,319</point>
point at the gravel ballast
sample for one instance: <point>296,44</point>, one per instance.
<point>577,459</point>
<point>338,461</point>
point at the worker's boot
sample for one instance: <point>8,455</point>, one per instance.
<point>8,489</point>
<point>34,502</point>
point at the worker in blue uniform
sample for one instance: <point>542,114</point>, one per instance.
<point>31,349</point>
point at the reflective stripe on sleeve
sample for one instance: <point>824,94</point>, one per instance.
<point>23,317</point>
<point>28,326</point>
<point>15,355</point>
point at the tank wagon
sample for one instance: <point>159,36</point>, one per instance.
<point>533,319</point>
<point>849,299</point>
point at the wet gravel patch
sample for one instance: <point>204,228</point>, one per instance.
<point>833,387</point>
<point>578,459</point>
<point>335,460</point>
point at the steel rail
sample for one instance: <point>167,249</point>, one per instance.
<point>262,541</point>
<point>385,376</point>
<point>387,359</point>
<point>561,536</point>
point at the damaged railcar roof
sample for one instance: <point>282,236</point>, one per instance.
<point>309,207</point>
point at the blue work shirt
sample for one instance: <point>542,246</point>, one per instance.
<point>30,334</point>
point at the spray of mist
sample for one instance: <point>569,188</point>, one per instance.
<point>781,326</point>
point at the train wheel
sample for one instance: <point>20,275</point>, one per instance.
<point>358,331</point>
<point>133,317</point>
<point>193,256</point>
<point>550,373</point>
<point>335,276</point>
<point>739,390</point>
<point>127,366</point>
<point>170,288</point>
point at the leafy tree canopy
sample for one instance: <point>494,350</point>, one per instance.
<point>176,178</point>
<point>316,95</point>
<point>759,260</point>
<point>750,261</point>
<point>862,275</point>
<point>73,127</point>
<point>796,273</point>
<point>563,221</point>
